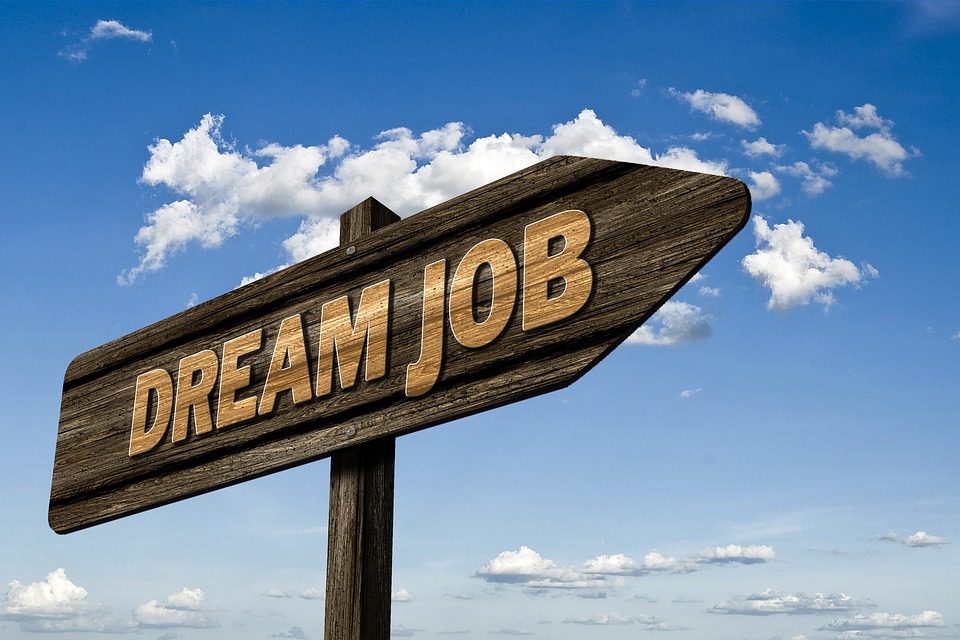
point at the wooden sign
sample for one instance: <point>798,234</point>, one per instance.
<point>511,290</point>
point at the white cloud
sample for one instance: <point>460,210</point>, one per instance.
<point>187,599</point>
<point>54,597</point>
<point>761,147</point>
<point>310,594</point>
<point>864,116</point>
<point>516,566</point>
<point>710,292</point>
<point>507,631</point>
<point>655,561</point>
<point>689,393</point>
<point>220,189</point>
<point>880,148</point>
<point>114,29</point>
<point>400,631</point>
<point>924,539</point>
<point>314,236</point>
<point>602,573</point>
<point>103,30</point>
<point>795,271</point>
<point>638,89</point>
<point>181,609</point>
<point>688,160</point>
<point>56,605</point>
<point>587,135</point>
<point>763,185</point>
<point>720,106</point>
<point>918,539</point>
<point>886,621</point>
<point>528,568</point>
<point>193,299</point>
<point>296,633</point>
<point>736,554</point>
<point>813,181</point>
<point>224,187</point>
<point>673,323</point>
<point>646,622</point>
<point>622,565</point>
<point>771,602</point>
<point>401,595</point>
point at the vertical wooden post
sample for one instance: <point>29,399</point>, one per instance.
<point>360,532</point>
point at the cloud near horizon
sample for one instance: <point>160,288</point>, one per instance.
<point>58,605</point>
<point>526,568</point>
<point>771,602</point>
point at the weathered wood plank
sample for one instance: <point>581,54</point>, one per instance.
<point>652,229</point>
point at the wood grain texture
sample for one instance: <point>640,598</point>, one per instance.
<point>360,530</point>
<point>652,229</point>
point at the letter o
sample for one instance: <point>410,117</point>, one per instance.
<point>503,264</point>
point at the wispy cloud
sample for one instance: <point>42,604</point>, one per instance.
<point>401,631</point>
<point>100,31</point>
<point>771,602</point>
<point>638,88</point>
<point>645,622</point>
<point>918,539</point>
<point>710,292</point>
<point>934,17</point>
<point>879,624</point>
<point>720,106</point>
<point>813,180</point>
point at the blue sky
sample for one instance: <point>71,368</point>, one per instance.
<point>774,456</point>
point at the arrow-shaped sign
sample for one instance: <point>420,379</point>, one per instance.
<point>511,290</point>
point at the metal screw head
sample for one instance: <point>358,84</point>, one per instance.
<point>351,250</point>
<point>350,432</point>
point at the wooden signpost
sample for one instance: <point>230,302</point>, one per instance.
<point>511,290</point>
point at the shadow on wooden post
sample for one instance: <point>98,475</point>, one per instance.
<point>360,532</point>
